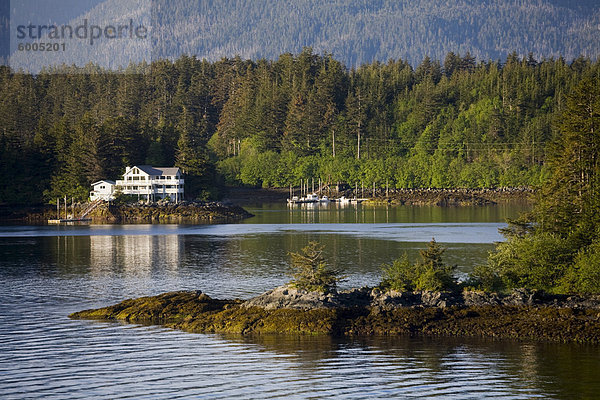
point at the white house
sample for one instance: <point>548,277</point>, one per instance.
<point>152,183</point>
<point>102,190</point>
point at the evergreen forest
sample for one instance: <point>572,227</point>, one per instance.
<point>362,31</point>
<point>556,247</point>
<point>456,122</point>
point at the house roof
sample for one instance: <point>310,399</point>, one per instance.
<point>150,170</point>
<point>103,181</point>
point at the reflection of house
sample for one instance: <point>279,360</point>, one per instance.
<point>102,190</point>
<point>145,182</point>
<point>135,255</point>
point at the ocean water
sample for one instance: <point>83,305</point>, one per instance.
<point>47,272</point>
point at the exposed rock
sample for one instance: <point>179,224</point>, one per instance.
<point>162,211</point>
<point>582,302</point>
<point>446,197</point>
<point>440,299</point>
<point>477,298</point>
<point>288,297</point>
<point>355,297</point>
<point>287,310</point>
<point>170,212</point>
<point>519,297</point>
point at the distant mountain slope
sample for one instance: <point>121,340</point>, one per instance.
<point>359,31</point>
<point>354,31</point>
<point>75,45</point>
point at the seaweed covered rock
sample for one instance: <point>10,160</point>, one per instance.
<point>166,307</point>
<point>368,311</point>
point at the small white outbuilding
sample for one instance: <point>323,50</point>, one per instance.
<point>103,190</point>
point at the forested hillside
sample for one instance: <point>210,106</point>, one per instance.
<point>354,31</point>
<point>359,31</point>
<point>455,123</point>
<point>556,247</point>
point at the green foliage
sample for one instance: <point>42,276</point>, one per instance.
<point>484,277</point>
<point>400,276</point>
<point>532,261</point>
<point>121,199</point>
<point>556,247</point>
<point>312,272</point>
<point>461,132</point>
<point>584,275</point>
<point>273,123</point>
<point>430,273</point>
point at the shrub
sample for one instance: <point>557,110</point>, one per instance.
<point>484,277</point>
<point>399,276</point>
<point>536,261</point>
<point>311,271</point>
<point>430,273</point>
<point>584,275</point>
<point>122,199</point>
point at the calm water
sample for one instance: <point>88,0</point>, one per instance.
<point>48,272</point>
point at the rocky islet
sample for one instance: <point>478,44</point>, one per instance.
<point>521,314</point>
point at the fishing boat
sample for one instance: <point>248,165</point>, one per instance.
<point>293,200</point>
<point>310,198</point>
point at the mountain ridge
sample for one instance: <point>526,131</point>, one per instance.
<point>354,31</point>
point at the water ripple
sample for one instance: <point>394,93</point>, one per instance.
<point>45,355</point>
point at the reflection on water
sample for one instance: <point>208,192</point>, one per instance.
<point>48,272</point>
<point>224,266</point>
<point>442,367</point>
<point>365,213</point>
<point>137,254</point>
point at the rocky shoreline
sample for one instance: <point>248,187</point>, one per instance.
<point>170,213</point>
<point>451,197</point>
<point>196,212</point>
<point>521,314</point>
<point>437,197</point>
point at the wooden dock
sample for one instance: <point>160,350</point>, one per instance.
<point>68,220</point>
<point>71,219</point>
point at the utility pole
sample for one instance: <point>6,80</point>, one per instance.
<point>359,126</point>
<point>333,141</point>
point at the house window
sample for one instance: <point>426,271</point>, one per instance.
<point>102,187</point>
